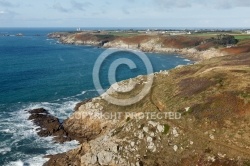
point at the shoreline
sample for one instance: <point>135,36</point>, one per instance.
<point>59,135</point>
<point>191,54</point>
<point>112,141</point>
<point>177,53</point>
<point>151,45</point>
<point>109,138</point>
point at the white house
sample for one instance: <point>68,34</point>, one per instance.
<point>248,31</point>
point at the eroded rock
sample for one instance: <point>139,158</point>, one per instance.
<point>48,124</point>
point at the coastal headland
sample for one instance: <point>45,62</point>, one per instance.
<point>196,45</point>
<point>193,115</point>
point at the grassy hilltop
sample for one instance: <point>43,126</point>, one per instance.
<point>195,45</point>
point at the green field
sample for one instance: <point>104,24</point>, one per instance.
<point>236,35</point>
<point>123,34</point>
<point>241,37</point>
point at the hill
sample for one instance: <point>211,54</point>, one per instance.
<point>205,120</point>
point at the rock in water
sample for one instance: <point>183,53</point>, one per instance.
<point>48,124</point>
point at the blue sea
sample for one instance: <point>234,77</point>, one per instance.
<point>39,72</point>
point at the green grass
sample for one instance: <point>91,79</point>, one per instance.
<point>214,34</point>
<point>123,34</point>
<point>104,36</point>
<point>245,95</point>
<point>206,34</point>
<point>166,128</point>
<point>128,119</point>
<point>241,37</point>
<point>246,163</point>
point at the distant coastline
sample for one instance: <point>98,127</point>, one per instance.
<point>183,45</point>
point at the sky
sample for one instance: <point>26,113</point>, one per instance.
<point>125,13</point>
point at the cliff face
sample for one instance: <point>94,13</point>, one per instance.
<point>153,45</point>
<point>196,115</point>
<point>188,46</point>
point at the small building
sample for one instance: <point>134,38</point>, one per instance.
<point>248,32</point>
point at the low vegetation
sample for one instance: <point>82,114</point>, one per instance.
<point>213,98</point>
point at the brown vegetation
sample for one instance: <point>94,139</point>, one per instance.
<point>213,97</point>
<point>136,39</point>
<point>192,86</point>
<point>181,41</point>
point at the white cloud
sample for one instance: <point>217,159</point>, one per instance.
<point>74,5</point>
<point>6,3</point>
<point>80,5</point>
<point>2,12</point>
<point>222,4</point>
<point>125,10</point>
<point>60,8</point>
<point>173,3</point>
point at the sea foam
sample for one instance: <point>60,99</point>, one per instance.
<point>23,132</point>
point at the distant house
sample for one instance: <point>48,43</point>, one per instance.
<point>248,31</point>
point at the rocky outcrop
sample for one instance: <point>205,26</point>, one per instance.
<point>79,38</point>
<point>48,125</point>
<point>86,122</point>
<point>154,46</point>
<point>194,115</point>
<point>146,43</point>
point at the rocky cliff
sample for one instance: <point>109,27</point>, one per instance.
<point>194,115</point>
<point>192,47</point>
